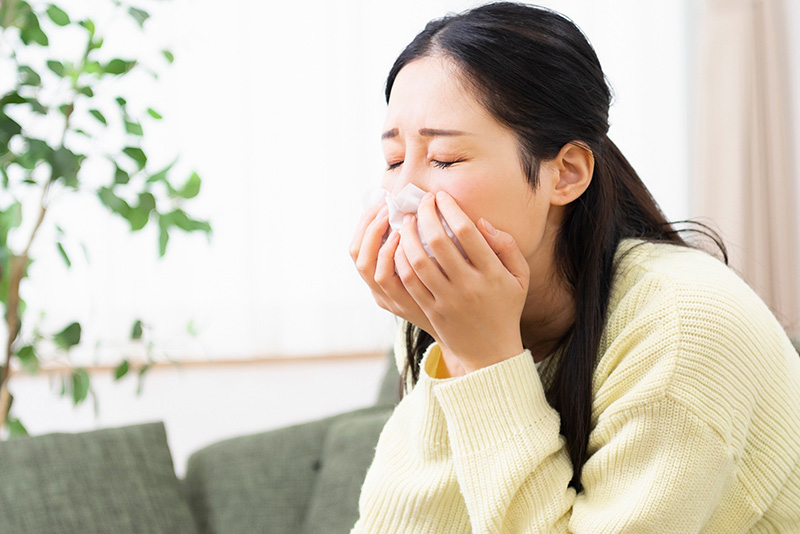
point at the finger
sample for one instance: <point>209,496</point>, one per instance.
<point>366,218</point>
<point>469,237</point>
<point>388,280</point>
<point>385,275</point>
<point>447,254</point>
<point>411,281</point>
<point>425,268</point>
<point>508,252</point>
<point>373,237</point>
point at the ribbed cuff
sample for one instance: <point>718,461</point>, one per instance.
<point>493,404</point>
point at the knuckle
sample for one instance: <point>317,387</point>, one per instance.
<point>361,264</point>
<point>438,240</point>
<point>461,230</point>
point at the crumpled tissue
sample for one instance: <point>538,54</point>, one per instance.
<point>407,201</point>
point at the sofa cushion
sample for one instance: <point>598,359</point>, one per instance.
<point>119,480</point>
<point>258,483</point>
<point>347,454</point>
<point>389,390</point>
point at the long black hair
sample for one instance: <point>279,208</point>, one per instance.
<point>536,73</point>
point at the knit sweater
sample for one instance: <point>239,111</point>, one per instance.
<point>695,423</point>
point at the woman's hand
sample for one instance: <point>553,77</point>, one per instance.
<point>375,264</point>
<point>474,307</point>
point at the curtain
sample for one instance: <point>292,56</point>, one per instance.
<point>745,174</point>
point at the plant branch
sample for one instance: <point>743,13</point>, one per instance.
<point>17,266</point>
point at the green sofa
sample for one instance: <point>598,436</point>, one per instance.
<point>301,479</point>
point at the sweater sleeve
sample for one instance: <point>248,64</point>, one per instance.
<point>513,468</point>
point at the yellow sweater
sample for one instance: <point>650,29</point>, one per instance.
<point>695,423</point>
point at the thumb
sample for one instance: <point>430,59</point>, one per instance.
<point>505,246</point>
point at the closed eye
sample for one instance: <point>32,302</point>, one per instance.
<point>436,163</point>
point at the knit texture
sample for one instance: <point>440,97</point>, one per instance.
<point>695,423</point>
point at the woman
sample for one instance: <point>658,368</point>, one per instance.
<point>579,368</point>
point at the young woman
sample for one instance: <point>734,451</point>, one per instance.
<point>579,368</point>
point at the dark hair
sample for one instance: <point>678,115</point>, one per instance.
<point>536,73</point>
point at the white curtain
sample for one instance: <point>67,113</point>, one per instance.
<point>745,177</point>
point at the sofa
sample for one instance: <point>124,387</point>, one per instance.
<point>301,479</point>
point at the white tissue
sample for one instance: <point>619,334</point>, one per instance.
<point>407,201</point>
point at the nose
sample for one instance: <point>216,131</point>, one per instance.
<point>412,171</point>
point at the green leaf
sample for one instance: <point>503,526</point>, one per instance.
<point>12,98</point>
<point>99,116</point>
<point>133,128</point>
<point>57,15</point>
<point>66,164</point>
<point>28,359</point>
<point>92,67</point>
<point>119,66</point>
<point>31,31</point>
<point>9,219</point>
<point>121,101</point>
<point>113,202</point>
<point>66,109</point>
<point>69,337</point>
<point>8,129</point>
<point>57,67</point>
<point>121,370</point>
<point>95,44</point>
<point>142,370</point>
<point>89,25</point>
<point>139,15</point>
<point>155,114</point>
<point>120,176</point>
<point>86,91</point>
<point>63,254</point>
<point>28,76</point>
<point>136,333</point>
<point>168,55</point>
<point>16,428</point>
<point>161,175</point>
<point>163,236</point>
<point>140,215</point>
<point>80,385</point>
<point>191,188</point>
<point>184,222</point>
<point>38,107</point>
<point>137,155</point>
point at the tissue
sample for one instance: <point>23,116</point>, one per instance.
<point>407,201</point>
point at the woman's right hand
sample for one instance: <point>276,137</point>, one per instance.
<point>375,264</point>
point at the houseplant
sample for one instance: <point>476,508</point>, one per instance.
<point>55,108</point>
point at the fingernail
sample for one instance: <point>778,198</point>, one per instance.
<point>441,195</point>
<point>428,196</point>
<point>489,228</point>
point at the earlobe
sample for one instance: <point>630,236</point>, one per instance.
<point>575,165</point>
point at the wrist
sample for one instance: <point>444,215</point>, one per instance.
<point>468,365</point>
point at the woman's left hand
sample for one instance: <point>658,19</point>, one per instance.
<point>474,307</point>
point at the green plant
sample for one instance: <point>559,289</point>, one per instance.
<point>63,92</point>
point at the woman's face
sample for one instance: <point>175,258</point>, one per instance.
<point>440,138</point>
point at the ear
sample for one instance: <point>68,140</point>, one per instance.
<point>575,166</point>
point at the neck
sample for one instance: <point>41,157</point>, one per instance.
<point>549,310</point>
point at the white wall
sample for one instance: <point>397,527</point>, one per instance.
<point>279,106</point>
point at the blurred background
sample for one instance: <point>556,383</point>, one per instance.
<point>278,107</point>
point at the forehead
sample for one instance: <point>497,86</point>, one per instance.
<point>430,90</point>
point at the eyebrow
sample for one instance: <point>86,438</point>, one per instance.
<point>427,132</point>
